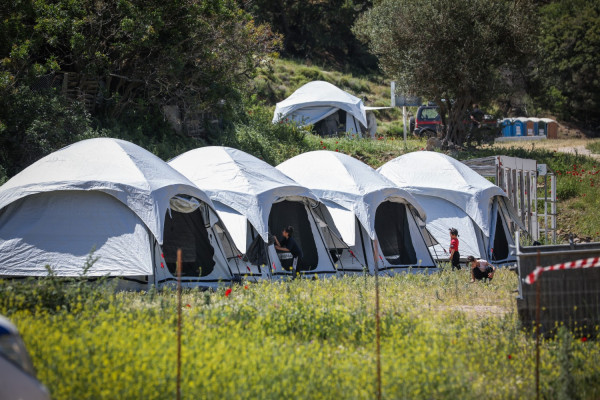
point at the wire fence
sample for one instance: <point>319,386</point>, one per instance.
<point>568,297</point>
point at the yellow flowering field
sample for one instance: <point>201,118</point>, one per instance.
<point>441,338</point>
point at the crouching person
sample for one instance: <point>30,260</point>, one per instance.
<point>480,269</point>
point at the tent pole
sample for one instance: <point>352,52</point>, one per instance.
<point>223,254</point>
<point>331,237</point>
<point>362,242</point>
<point>321,236</point>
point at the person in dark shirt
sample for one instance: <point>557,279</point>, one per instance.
<point>480,269</point>
<point>288,243</point>
<point>476,116</point>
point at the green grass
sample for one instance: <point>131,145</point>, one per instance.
<point>594,147</point>
<point>441,338</point>
<point>279,80</point>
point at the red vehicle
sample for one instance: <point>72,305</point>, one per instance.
<point>428,122</point>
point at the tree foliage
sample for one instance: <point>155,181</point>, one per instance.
<point>450,50</point>
<point>191,53</point>
<point>33,124</point>
<point>197,55</point>
<point>317,30</point>
<point>569,66</point>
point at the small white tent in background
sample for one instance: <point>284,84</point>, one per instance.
<point>325,106</point>
<point>256,200</point>
<point>381,223</point>
<point>455,196</point>
<point>119,199</point>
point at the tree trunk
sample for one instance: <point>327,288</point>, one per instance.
<point>457,120</point>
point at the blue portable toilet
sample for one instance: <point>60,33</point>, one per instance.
<point>536,126</point>
<point>507,127</point>
<point>520,126</point>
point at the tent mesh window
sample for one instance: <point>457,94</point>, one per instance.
<point>393,233</point>
<point>500,242</point>
<point>293,213</point>
<point>188,232</point>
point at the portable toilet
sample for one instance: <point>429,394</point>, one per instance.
<point>535,122</point>
<point>507,127</point>
<point>530,127</point>
<point>520,126</point>
<point>551,128</point>
<point>542,127</point>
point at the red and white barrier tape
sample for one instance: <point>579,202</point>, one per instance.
<point>585,263</point>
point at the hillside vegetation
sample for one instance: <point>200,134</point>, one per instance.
<point>71,70</point>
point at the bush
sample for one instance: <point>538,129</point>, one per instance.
<point>54,294</point>
<point>311,74</point>
<point>35,124</point>
<point>255,133</point>
<point>594,147</point>
<point>145,126</point>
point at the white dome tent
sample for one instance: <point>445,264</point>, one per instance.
<point>326,106</point>
<point>373,215</point>
<point>455,196</point>
<point>255,200</point>
<point>119,199</point>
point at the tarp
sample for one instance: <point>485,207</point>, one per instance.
<point>317,100</point>
<point>434,174</point>
<point>241,182</point>
<point>134,176</point>
<point>340,179</point>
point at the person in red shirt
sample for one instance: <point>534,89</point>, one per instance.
<point>454,254</point>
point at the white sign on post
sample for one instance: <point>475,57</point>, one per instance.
<point>542,169</point>
<point>403,101</point>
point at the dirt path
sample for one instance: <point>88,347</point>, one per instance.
<point>579,150</point>
<point>571,146</point>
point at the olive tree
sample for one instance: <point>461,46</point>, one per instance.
<point>450,50</point>
<point>570,64</point>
